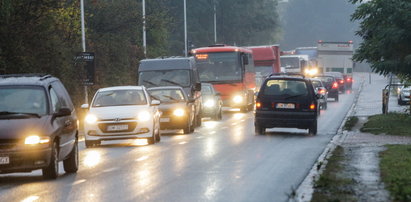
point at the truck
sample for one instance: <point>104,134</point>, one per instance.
<point>294,63</point>
<point>266,61</point>
<point>336,57</point>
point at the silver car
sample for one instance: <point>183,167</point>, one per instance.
<point>404,95</point>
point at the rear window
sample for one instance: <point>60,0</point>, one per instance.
<point>327,79</point>
<point>119,98</point>
<point>316,84</point>
<point>281,87</point>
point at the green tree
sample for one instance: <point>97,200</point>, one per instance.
<point>385,26</point>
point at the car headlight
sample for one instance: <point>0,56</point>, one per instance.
<point>144,116</point>
<point>179,112</point>
<point>35,139</point>
<point>209,103</point>
<point>238,99</point>
<point>90,119</point>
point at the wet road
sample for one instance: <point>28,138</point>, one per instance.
<point>220,161</point>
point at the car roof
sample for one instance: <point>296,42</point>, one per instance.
<point>121,88</point>
<point>287,77</point>
<point>166,88</point>
<point>26,79</point>
<point>171,63</point>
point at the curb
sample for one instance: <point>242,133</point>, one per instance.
<point>305,189</point>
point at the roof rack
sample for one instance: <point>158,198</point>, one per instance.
<point>287,74</point>
<point>41,75</point>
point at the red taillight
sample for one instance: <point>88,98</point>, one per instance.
<point>341,81</point>
<point>348,79</point>
<point>258,105</point>
<point>335,85</point>
<point>312,106</point>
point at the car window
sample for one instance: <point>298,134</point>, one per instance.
<point>63,95</point>
<point>282,87</point>
<point>55,102</point>
<point>168,95</point>
<point>23,100</point>
<point>325,78</point>
<point>119,98</point>
<point>206,90</point>
<point>316,84</point>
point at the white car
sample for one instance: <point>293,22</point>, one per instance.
<point>404,95</point>
<point>122,112</point>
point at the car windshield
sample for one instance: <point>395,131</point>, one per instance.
<point>206,90</point>
<point>167,95</point>
<point>175,77</point>
<point>23,100</point>
<point>290,62</point>
<point>219,67</point>
<point>280,87</point>
<point>316,84</point>
<point>327,79</point>
<point>119,97</point>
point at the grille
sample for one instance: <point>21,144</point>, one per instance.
<point>131,127</point>
<point>7,144</point>
<point>124,119</point>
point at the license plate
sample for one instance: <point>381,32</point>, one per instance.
<point>4,160</point>
<point>117,127</point>
<point>164,119</point>
<point>285,106</point>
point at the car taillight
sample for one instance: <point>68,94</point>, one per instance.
<point>322,91</point>
<point>258,105</point>
<point>341,81</point>
<point>335,85</point>
<point>312,106</point>
<point>348,79</point>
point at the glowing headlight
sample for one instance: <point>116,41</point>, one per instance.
<point>90,119</point>
<point>209,103</point>
<point>313,71</point>
<point>179,112</point>
<point>238,99</point>
<point>35,139</point>
<point>144,116</point>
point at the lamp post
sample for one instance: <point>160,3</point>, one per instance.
<point>83,43</point>
<point>215,23</point>
<point>185,28</point>
<point>144,29</point>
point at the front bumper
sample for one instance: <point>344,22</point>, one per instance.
<point>25,159</point>
<point>173,122</point>
<point>271,119</point>
<point>135,130</point>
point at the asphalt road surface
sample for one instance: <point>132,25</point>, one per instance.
<point>221,161</point>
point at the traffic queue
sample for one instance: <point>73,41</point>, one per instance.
<point>172,93</point>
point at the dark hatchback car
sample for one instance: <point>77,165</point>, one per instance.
<point>178,111</point>
<point>331,85</point>
<point>339,77</point>
<point>212,103</point>
<point>38,125</point>
<point>286,102</point>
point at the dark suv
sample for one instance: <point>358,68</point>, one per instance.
<point>331,84</point>
<point>286,102</point>
<point>38,125</point>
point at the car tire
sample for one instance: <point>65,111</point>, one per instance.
<point>88,143</point>
<point>325,105</point>
<point>336,98</point>
<point>158,135</point>
<point>313,128</point>
<point>52,170</point>
<point>198,120</point>
<point>244,109</point>
<point>220,114</point>
<point>187,129</point>
<point>72,162</point>
<point>259,130</point>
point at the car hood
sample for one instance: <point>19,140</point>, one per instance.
<point>20,128</point>
<point>117,111</point>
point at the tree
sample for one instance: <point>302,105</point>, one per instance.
<point>385,26</point>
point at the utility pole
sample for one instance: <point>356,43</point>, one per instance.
<point>83,43</point>
<point>144,29</point>
<point>185,29</point>
<point>215,23</point>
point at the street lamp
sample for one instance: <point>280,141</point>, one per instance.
<point>185,28</point>
<point>83,43</point>
<point>215,23</point>
<point>144,28</point>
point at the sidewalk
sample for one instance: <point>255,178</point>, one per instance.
<point>362,149</point>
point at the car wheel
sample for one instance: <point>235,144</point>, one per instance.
<point>88,143</point>
<point>158,136</point>
<point>313,128</point>
<point>71,163</point>
<point>399,101</point>
<point>336,98</point>
<point>325,105</point>
<point>198,120</point>
<point>220,114</point>
<point>187,129</point>
<point>52,170</point>
<point>259,130</point>
<point>244,109</point>
<point>152,139</point>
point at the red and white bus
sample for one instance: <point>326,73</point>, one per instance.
<point>231,71</point>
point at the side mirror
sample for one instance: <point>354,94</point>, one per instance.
<point>85,106</point>
<point>155,102</point>
<point>245,59</point>
<point>63,112</point>
<point>197,87</point>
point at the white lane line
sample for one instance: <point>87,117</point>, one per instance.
<point>233,124</point>
<point>212,132</point>
<point>184,142</point>
<point>78,182</point>
<point>142,158</point>
<point>30,199</point>
<point>199,137</point>
<point>109,170</point>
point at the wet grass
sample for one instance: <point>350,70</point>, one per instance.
<point>390,124</point>
<point>395,168</point>
<point>332,186</point>
<point>350,123</point>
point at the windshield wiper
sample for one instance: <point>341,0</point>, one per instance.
<point>172,82</point>
<point>149,82</point>
<point>292,96</point>
<point>171,98</point>
<point>25,113</point>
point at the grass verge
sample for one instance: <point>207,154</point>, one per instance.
<point>395,168</point>
<point>332,186</point>
<point>390,124</point>
<point>350,123</point>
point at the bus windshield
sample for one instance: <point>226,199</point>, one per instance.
<point>176,77</point>
<point>290,63</point>
<point>219,67</point>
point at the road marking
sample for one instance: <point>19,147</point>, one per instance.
<point>78,182</point>
<point>233,124</point>
<point>142,158</point>
<point>30,199</point>
<point>109,170</point>
<point>182,142</point>
<point>212,132</point>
